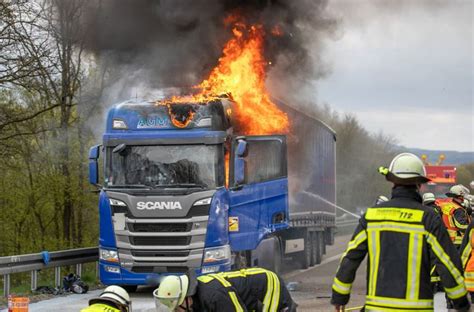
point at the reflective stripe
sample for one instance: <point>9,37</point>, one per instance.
<point>459,225</point>
<point>253,271</point>
<point>466,253</point>
<point>374,255</point>
<point>369,308</point>
<point>233,274</point>
<point>353,244</point>
<point>267,301</point>
<point>340,287</point>
<point>205,278</point>
<point>456,292</point>
<point>396,302</point>
<point>444,258</point>
<point>222,280</point>
<point>457,240</point>
<point>225,283</point>
<point>396,227</point>
<point>276,292</point>
<point>235,301</point>
<point>414,266</point>
<point>394,214</point>
<point>469,275</point>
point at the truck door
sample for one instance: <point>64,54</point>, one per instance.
<point>258,189</point>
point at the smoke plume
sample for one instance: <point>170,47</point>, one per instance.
<point>175,43</point>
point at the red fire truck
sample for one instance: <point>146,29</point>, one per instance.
<point>442,177</point>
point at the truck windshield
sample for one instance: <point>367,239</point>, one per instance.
<point>161,166</point>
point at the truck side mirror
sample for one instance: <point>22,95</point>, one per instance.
<point>239,162</point>
<point>94,154</point>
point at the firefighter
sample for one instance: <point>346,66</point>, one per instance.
<point>253,289</point>
<point>454,214</point>
<point>112,299</point>
<point>467,258</point>
<point>429,200</point>
<point>403,239</point>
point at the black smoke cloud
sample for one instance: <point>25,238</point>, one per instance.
<point>176,43</point>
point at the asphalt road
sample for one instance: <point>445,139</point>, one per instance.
<point>312,293</point>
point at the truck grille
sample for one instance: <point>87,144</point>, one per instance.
<point>197,211</point>
<point>161,244</point>
<point>160,253</point>
<point>159,241</point>
<point>159,227</point>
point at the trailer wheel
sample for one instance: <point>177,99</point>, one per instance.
<point>305,257</point>
<point>322,243</point>
<point>329,236</point>
<point>314,248</point>
<point>317,255</point>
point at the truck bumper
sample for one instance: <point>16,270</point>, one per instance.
<point>113,274</point>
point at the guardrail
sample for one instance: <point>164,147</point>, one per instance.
<point>347,223</point>
<point>45,260</point>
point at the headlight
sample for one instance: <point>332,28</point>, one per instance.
<point>109,255</point>
<point>119,124</point>
<point>116,202</point>
<point>216,254</point>
<point>204,201</point>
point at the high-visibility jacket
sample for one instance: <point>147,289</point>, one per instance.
<point>403,239</point>
<point>455,219</point>
<point>100,307</point>
<point>252,289</point>
<point>467,250</point>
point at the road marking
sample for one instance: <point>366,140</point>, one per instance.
<point>325,261</point>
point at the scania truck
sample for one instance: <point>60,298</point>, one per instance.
<point>181,190</point>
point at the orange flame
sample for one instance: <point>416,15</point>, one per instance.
<point>180,123</point>
<point>241,73</point>
<point>227,168</point>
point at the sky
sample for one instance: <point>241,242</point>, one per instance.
<point>405,69</point>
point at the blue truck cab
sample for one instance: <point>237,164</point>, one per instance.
<point>170,202</point>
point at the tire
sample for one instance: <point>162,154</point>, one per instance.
<point>330,236</point>
<point>322,243</point>
<point>240,261</point>
<point>314,249</point>
<point>305,257</point>
<point>130,288</point>
<point>317,252</point>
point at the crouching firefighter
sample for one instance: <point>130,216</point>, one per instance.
<point>253,289</point>
<point>403,239</point>
<point>112,299</point>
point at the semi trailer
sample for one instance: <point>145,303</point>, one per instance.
<point>181,189</point>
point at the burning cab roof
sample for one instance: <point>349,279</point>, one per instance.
<point>146,115</point>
